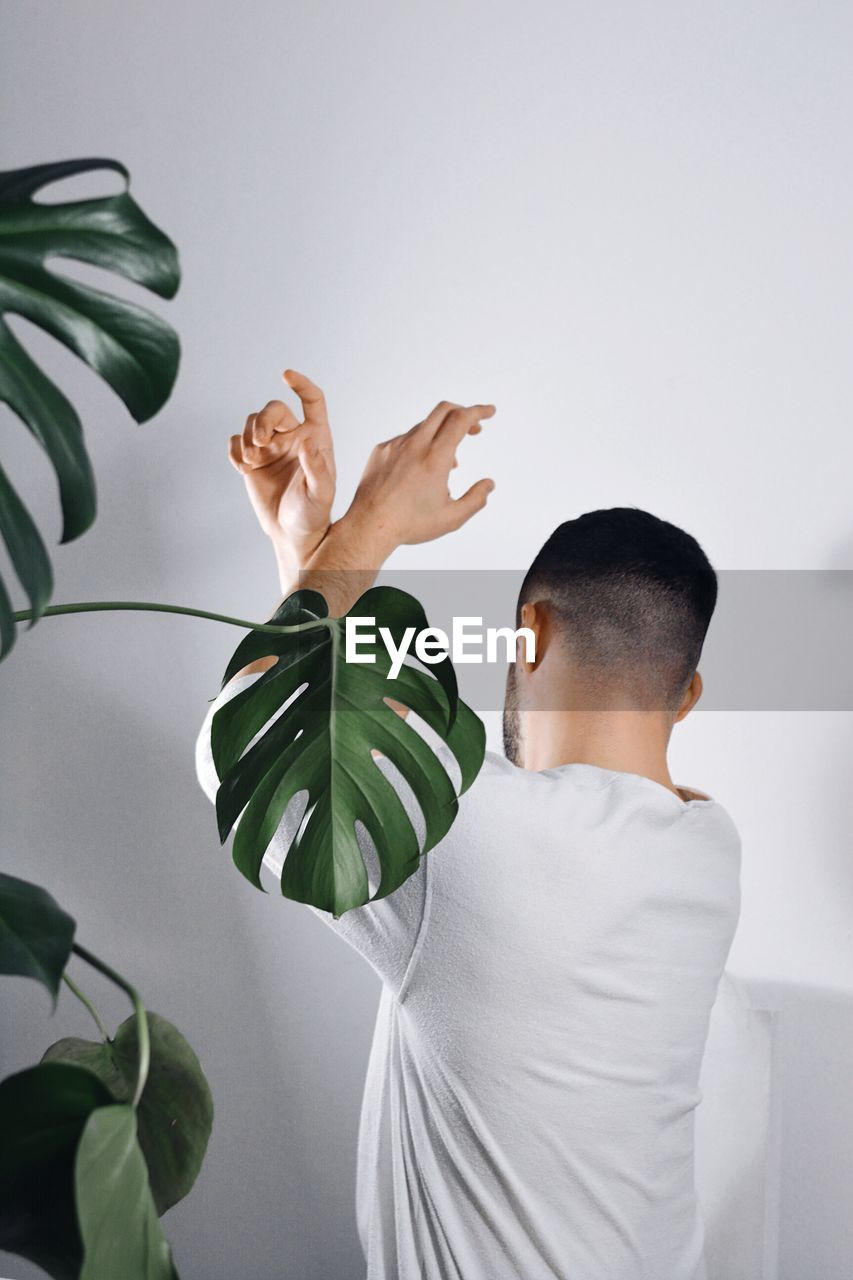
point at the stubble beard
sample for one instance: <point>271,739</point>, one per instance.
<point>512,719</point>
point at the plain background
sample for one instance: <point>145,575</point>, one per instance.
<point>629,227</point>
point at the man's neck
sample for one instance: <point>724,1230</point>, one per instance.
<point>625,741</point>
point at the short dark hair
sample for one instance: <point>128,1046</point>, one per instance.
<point>633,596</point>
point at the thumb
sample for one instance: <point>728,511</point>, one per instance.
<point>315,464</point>
<point>472,501</point>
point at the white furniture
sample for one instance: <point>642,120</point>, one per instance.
<point>738,1139</point>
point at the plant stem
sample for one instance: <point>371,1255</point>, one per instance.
<point>93,606</point>
<point>141,1018</point>
<point>84,999</point>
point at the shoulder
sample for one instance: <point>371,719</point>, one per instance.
<point>724,823</point>
<point>712,830</point>
<point>496,763</point>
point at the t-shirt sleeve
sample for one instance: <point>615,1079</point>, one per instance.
<point>384,932</point>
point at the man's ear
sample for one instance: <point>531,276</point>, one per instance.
<point>534,619</point>
<point>692,694</point>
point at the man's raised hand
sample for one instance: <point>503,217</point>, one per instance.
<point>403,495</point>
<point>289,468</point>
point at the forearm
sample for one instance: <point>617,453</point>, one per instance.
<point>345,563</point>
<point>342,567</point>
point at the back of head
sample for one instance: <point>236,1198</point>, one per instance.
<point>631,597</point>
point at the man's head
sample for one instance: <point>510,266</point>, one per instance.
<point>620,602</point>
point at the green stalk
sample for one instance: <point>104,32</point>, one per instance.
<point>84,999</point>
<point>94,606</point>
<point>141,1018</point>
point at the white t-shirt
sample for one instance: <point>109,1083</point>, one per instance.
<point>548,977</point>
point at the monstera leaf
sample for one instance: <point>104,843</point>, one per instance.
<point>132,349</point>
<point>330,715</point>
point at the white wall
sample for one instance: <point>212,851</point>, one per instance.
<point>628,226</point>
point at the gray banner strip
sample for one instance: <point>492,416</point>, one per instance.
<point>780,640</point>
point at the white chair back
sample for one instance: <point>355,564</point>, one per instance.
<point>737,1139</point>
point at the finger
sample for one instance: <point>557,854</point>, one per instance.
<point>275,416</point>
<point>250,451</point>
<point>434,418</point>
<point>235,453</point>
<point>472,501</point>
<point>460,422</point>
<point>313,400</point>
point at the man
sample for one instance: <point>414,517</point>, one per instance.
<point>549,971</point>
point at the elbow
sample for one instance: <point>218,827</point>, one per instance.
<point>205,770</point>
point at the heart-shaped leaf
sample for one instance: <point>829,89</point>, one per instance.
<point>128,346</point>
<point>175,1111</point>
<point>330,715</point>
<point>43,1111</point>
<point>35,933</point>
<point>118,1220</point>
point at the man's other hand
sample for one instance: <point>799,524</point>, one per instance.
<point>289,469</point>
<point>403,495</point>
